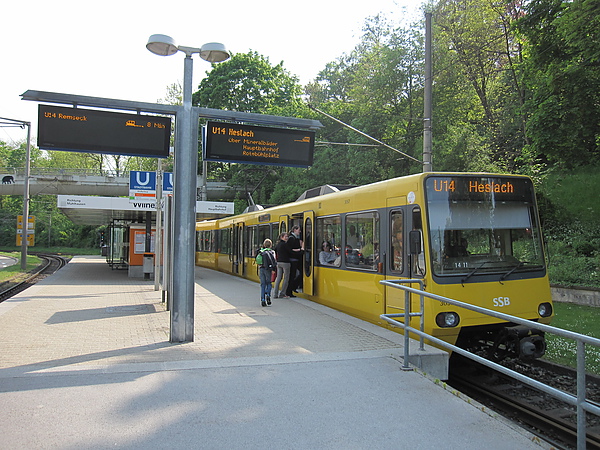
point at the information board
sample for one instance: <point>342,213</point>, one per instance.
<point>258,145</point>
<point>94,131</point>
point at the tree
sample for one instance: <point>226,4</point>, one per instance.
<point>248,82</point>
<point>476,42</point>
<point>378,89</point>
<point>562,76</point>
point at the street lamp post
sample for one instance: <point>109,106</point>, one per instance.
<point>5,122</point>
<point>184,189</point>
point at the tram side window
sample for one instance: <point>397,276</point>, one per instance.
<point>251,241</point>
<point>362,240</point>
<point>199,241</point>
<point>328,231</point>
<point>397,242</point>
<point>204,241</point>
<point>418,261</point>
<point>225,236</point>
<point>264,232</point>
<point>211,241</point>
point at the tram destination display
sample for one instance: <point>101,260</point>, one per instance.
<point>227,142</point>
<point>95,131</point>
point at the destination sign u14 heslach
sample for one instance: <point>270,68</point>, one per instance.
<point>227,142</point>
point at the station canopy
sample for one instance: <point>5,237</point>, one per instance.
<point>90,210</point>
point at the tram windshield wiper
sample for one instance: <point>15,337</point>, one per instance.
<point>470,274</point>
<point>507,274</point>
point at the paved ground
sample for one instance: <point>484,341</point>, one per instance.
<point>6,261</point>
<point>86,363</point>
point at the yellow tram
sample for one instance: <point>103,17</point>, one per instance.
<point>473,237</point>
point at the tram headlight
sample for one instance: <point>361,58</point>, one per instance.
<point>447,319</point>
<point>545,309</point>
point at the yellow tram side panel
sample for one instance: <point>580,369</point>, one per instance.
<point>353,292</point>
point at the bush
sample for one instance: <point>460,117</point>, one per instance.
<point>568,267</point>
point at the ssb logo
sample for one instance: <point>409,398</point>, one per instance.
<point>501,301</point>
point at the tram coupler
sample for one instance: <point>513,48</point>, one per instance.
<point>521,341</point>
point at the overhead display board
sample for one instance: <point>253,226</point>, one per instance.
<point>94,131</point>
<point>249,144</point>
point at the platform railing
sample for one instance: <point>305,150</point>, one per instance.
<point>579,401</point>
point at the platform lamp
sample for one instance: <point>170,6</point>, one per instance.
<point>184,190</point>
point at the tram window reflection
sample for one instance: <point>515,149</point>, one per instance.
<point>397,241</point>
<point>362,235</point>
<point>329,229</point>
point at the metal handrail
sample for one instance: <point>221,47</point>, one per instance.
<point>579,401</point>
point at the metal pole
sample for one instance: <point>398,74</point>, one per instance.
<point>405,365</point>
<point>184,212</point>
<point>26,200</point>
<point>427,166</point>
<point>168,252</point>
<point>581,388</point>
<point>204,192</point>
<point>158,240</point>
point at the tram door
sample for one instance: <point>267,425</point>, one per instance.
<point>398,258</point>
<point>308,233</point>
<point>237,249</point>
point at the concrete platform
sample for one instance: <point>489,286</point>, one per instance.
<point>86,363</point>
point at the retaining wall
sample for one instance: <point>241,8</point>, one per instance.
<point>585,297</point>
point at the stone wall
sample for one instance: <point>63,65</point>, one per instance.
<point>578,296</point>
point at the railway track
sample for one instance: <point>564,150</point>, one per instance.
<point>543,415</point>
<point>51,263</point>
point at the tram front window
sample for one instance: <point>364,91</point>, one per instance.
<point>482,233</point>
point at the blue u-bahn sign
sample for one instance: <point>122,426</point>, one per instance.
<point>142,185</point>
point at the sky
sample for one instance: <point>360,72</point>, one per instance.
<point>98,48</point>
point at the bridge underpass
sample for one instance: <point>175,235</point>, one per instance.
<point>94,197</point>
<point>90,182</point>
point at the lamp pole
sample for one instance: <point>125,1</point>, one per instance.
<point>184,189</point>
<point>26,200</point>
<point>427,166</point>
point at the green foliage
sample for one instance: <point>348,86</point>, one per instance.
<point>563,81</point>
<point>249,83</point>
<point>573,266</point>
<point>569,219</point>
<point>581,319</point>
<point>51,226</point>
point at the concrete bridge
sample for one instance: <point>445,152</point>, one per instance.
<point>90,182</point>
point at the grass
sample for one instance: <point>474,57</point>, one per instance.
<point>14,271</point>
<point>580,319</point>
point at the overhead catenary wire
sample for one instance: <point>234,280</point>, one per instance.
<point>346,143</point>
<point>363,134</point>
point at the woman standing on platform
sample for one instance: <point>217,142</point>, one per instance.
<point>296,248</point>
<point>283,266</point>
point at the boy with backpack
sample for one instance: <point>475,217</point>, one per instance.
<point>267,263</point>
